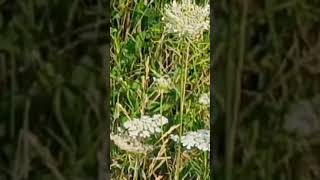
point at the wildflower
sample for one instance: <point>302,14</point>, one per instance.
<point>160,120</point>
<point>204,99</point>
<point>199,139</point>
<point>129,144</point>
<point>163,83</point>
<point>175,138</point>
<point>145,126</point>
<point>186,18</point>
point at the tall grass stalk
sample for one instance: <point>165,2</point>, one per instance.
<point>136,169</point>
<point>184,63</point>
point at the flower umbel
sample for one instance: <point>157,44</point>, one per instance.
<point>186,18</point>
<point>204,99</point>
<point>145,126</point>
<point>199,139</point>
<point>163,83</point>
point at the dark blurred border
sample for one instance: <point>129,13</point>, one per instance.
<point>106,147</point>
<point>54,71</point>
<point>266,84</point>
<point>213,30</point>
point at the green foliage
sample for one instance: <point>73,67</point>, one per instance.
<point>142,52</point>
<point>264,54</point>
<point>51,82</point>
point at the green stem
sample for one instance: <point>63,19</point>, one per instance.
<point>206,174</point>
<point>161,101</point>
<point>182,101</point>
<point>135,176</point>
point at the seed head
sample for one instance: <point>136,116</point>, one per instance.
<point>163,83</point>
<point>129,144</point>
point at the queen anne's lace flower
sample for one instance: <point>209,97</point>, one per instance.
<point>145,126</point>
<point>186,18</point>
<point>199,139</point>
<point>163,83</point>
<point>137,130</point>
<point>204,99</point>
<point>175,138</point>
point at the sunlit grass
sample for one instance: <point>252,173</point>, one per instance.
<point>154,72</point>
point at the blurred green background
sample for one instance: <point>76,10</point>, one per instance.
<point>266,73</point>
<point>51,88</point>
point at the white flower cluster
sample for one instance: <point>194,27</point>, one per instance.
<point>163,83</point>
<point>186,18</point>
<point>204,99</point>
<point>199,139</point>
<point>145,126</point>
